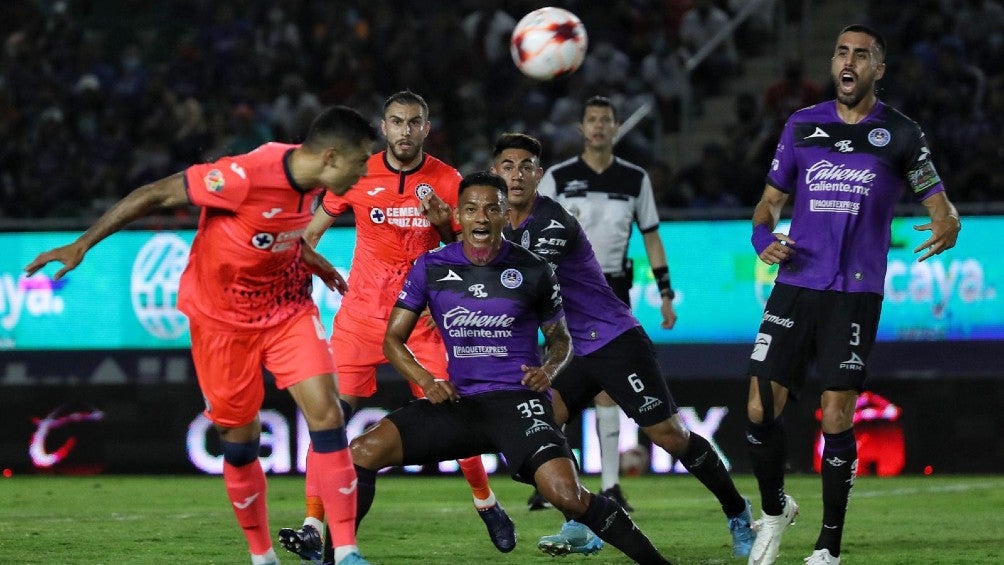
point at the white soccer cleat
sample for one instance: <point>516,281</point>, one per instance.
<point>769,530</point>
<point>821,557</point>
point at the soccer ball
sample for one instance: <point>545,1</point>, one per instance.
<point>634,461</point>
<point>548,43</point>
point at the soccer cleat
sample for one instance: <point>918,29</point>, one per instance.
<point>500,527</point>
<point>573,538</point>
<point>537,501</point>
<point>822,557</point>
<point>769,530</point>
<point>305,542</point>
<point>353,559</point>
<point>741,528</point>
<point>615,493</point>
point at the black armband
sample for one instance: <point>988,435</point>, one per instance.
<point>661,275</point>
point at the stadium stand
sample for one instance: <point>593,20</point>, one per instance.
<point>98,97</point>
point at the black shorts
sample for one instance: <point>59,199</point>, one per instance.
<point>801,325</point>
<point>627,368</point>
<point>518,424</point>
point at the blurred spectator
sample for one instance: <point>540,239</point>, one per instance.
<point>712,180</point>
<point>606,68</point>
<point>294,109</point>
<point>247,131</point>
<point>665,73</point>
<point>83,85</point>
<point>792,92</point>
<point>749,143</point>
<point>980,24</point>
<point>52,171</point>
<point>754,34</point>
<point>488,28</point>
<point>699,27</point>
<point>666,191</point>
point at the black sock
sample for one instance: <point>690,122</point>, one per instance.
<point>347,410</point>
<point>704,464</point>
<point>609,521</point>
<point>839,465</point>
<point>768,451</point>
<point>365,491</point>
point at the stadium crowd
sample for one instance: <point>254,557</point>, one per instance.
<point>98,96</point>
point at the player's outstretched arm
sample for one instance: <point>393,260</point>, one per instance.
<point>557,354</point>
<point>168,192</point>
<point>402,321</point>
<point>317,226</point>
<point>944,226</point>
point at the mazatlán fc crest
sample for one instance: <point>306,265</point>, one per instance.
<point>511,278</point>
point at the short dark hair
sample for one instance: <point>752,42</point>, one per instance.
<point>512,140</point>
<point>600,102</point>
<point>406,97</point>
<point>861,28</point>
<point>339,124</point>
<point>484,178</point>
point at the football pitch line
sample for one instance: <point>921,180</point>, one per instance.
<point>912,491</point>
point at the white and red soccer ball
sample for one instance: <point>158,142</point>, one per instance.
<point>548,43</point>
<point>634,461</point>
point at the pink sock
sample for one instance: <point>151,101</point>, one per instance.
<point>338,490</point>
<point>247,489</point>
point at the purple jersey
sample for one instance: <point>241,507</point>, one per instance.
<point>594,313</point>
<point>846,180</point>
<point>488,315</point>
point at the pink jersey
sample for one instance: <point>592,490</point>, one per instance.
<point>391,231</point>
<point>244,269</point>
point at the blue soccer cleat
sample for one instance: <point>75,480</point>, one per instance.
<point>500,528</point>
<point>573,538</point>
<point>741,528</point>
<point>353,559</point>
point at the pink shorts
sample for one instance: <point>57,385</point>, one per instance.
<point>229,364</point>
<point>357,343</point>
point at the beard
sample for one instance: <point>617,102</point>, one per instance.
<point>405,156</point>
<point>853,99</point>
<point>859,93</point>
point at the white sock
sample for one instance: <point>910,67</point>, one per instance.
<point>317,524</point>
<point>486,503</point>
<point>343,551</point>
<point>608,429</point>
<point>267,558</point>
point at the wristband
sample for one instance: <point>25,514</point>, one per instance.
<point>762,238</point>
<point>661,275</point>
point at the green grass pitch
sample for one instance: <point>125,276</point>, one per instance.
<point>180,520</point>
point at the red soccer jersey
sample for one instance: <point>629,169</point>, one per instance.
<point>391,231</point>
<point>244,270</point>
